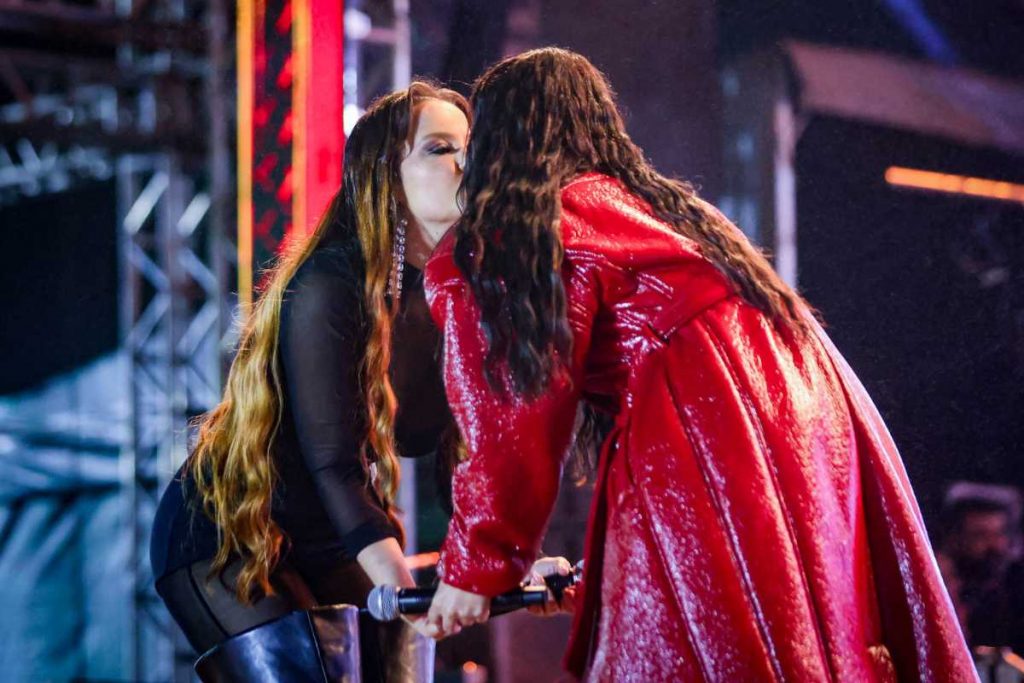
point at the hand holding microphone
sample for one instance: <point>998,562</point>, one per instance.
<point>452,608</point>
<point>387,603</point>
<point>561,578</point>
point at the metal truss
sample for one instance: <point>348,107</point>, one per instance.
<point>134,89</point>
<point>378,52</point>
<point>171,302</point>
<point>28,169</point>
<point>82,82</point>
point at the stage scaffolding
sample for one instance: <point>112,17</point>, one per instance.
<point>378,52</point>
<point>137,91</point>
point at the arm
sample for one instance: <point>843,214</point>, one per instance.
<point>505,489</point>
<point>321,345</point>
<point>384,562</point>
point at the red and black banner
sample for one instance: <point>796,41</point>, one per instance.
<point>290,135</point>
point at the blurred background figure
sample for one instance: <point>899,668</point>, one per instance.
<point>979,555</point>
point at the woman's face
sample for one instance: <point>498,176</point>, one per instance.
<point>432,168</point>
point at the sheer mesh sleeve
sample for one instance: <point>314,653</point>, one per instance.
<point>321,336</point>
<point>415,372</point>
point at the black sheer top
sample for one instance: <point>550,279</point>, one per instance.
<point>322,501</point>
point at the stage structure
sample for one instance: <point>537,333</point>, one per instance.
<point>134,92</point>
<point>890,192</point>
<point>289,130</point>
<point>305,74</point>
<point>378,52</point>
<point>773,97</point>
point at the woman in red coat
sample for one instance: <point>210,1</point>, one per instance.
<point>752,519</point>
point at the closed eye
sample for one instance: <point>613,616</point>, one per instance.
<point>442,149</point>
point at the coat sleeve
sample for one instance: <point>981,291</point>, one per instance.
<point>919,624</point>
<point>320,342</point>
<point>505,488</point>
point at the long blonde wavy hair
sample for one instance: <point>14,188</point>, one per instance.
<point>232,463</point>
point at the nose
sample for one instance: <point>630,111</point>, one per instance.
<point>460,160</point>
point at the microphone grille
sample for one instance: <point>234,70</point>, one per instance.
<point>382,603</point>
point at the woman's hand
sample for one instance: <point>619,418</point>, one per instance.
<point>385,564</point>
<point>418,622</point>
<point>452,609</point>
<point>550,566</point>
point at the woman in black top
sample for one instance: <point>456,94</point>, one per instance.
<point>287,498</point>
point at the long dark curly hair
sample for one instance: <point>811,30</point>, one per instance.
<point>540,119</point>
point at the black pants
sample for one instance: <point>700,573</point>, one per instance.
<point>209,612</point>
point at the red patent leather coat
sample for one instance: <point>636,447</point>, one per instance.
<point>752,518</point>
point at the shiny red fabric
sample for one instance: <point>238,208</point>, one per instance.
<point>752,519</point>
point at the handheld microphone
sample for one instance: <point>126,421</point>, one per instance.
<point>386,603</point>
